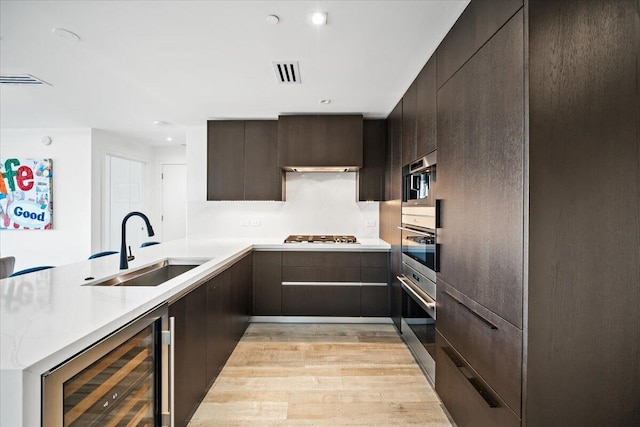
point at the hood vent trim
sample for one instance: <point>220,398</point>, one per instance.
<point>287,72</point>
<point>21,79</point>
<point>326,169</point>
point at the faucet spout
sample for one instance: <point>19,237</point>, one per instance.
<point>124,259</point>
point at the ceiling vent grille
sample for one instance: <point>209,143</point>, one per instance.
<point>21,79</point>
<point>287,72</point>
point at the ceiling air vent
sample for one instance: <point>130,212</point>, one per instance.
<point>287,72</point>
<point>21,79</point>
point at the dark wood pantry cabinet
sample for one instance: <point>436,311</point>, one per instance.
<point>242,160</point>
<point>529,232</point>
<point>537,124</point>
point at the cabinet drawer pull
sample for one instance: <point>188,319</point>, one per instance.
<point>475,383</point>
<point>479,317</point>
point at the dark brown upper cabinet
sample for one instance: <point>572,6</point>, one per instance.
<point>393,177</point>
<point>372,174</point>
<point>409,116</point>
<point>477,24</point>
<point>242,160</point>
<point>317,141</point>
<point>426,109</point>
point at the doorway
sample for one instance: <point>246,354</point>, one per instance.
<point>125,193</point>
<point>174,202</point>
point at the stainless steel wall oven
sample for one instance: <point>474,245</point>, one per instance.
<point>125,379</point>
<point>420,261</point>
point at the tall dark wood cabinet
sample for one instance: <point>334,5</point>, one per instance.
<point>242,160</point>
<point>584,119</point>
<point>426,109</point>
<point>393,177</point>
<point>480,174</point>
<point>371,177</point>
<point>409,120</point>
<point>538,136</point>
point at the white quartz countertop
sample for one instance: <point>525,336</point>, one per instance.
<point>49,316</point>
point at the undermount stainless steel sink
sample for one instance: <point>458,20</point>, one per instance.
<point>152,275</point>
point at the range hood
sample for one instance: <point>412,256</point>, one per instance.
<point>303,169</point>
<point>320,142</point>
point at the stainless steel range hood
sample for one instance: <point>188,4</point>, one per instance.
<point>303,169</point>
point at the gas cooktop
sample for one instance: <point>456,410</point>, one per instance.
<point>320,239</point>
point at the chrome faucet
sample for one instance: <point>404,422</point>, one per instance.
<point>124,259</point>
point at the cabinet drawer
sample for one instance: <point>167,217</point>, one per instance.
<point>374,259</point>
<point>320,300</point>
<point>374,301</point>
<point>469,400</point>
<point>321,274</point>
<point>491,345</point>
<point>321,259</point>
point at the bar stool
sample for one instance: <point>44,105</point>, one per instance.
<point>31,270</point>
<point>145,244</point>
<point>103,253</point>
<point>6,266</point>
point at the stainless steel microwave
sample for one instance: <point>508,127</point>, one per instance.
<point>419,181</point>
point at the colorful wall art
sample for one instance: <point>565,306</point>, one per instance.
<point>25,194</point>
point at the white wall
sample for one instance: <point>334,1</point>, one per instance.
<point>70,238</point>
<point>316,203</point>
<point>169,155</point>
<point>106,143</point>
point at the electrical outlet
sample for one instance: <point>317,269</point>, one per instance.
<point>255,223</point>
<point>370,223</point>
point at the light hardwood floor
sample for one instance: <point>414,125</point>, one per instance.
<point>320,375</point>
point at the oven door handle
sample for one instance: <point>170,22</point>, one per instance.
<point>420,296</point>
<point>415,231</point>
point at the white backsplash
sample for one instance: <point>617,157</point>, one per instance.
<point>317,203</point>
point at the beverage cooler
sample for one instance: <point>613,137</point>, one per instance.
<point>123,380</point>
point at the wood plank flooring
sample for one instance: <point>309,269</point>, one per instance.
<point>320,375</point>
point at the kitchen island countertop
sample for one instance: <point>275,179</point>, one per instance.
<point>49,316</point>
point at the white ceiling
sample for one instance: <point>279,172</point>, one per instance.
<point>184,62</point>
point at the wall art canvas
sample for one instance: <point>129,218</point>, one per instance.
<point>25,194</point>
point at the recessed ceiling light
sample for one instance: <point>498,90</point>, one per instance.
<point>319,18</point>
<point>160,123</point>
<point>272,19</point>
<point>169,139</point>
<point>325,101</point>
<point>66,34</point>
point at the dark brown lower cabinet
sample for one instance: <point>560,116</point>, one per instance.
<point>374,301</point>
<point>469,400</point>
<point>491,345</point>
<point>190,353</point>
<point>320,300</point>
<point>267,283</point>
<point>209,322</point>
<point>319,283</point>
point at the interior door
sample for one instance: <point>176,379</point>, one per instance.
<point>174,202</point>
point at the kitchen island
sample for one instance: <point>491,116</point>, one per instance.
<point>49,316</point>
